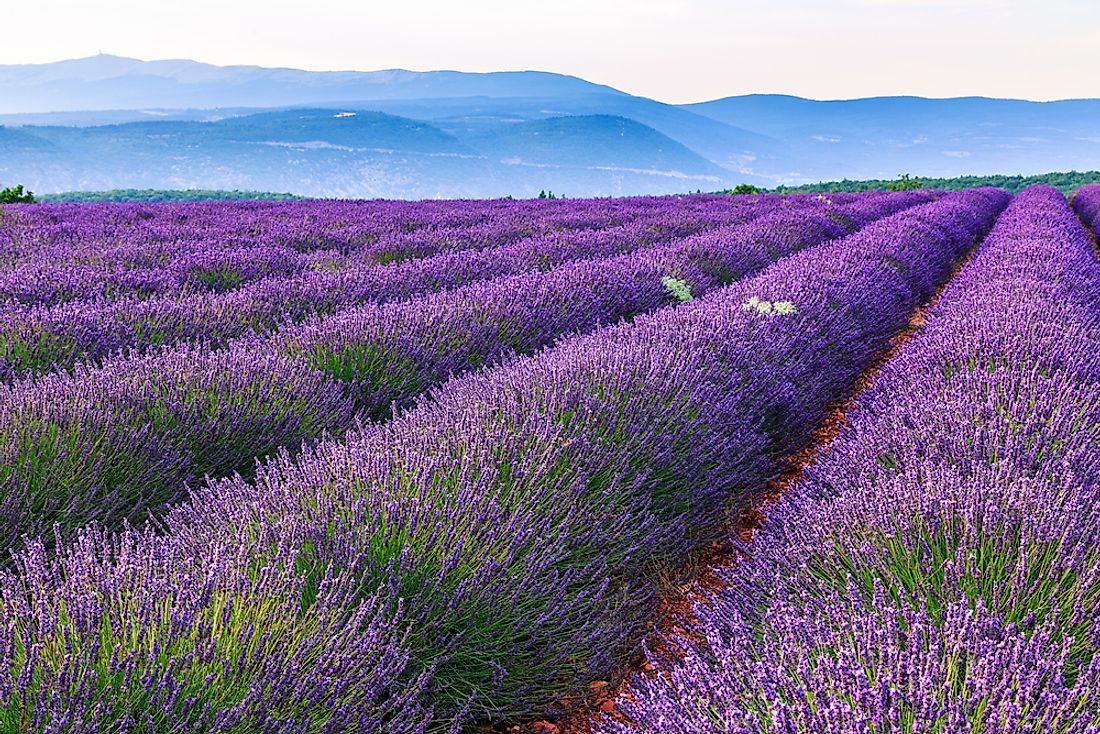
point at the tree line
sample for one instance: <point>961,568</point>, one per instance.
<point>1065,181</point>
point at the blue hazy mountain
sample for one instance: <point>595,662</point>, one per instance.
<point>107,82</point>
<point>880,137</point>
<point>357,153</point>
<point>110,122</point>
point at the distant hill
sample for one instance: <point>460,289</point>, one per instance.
<point>884,136</point>
<point>357,153</point>
<point>724,144</point>
<point>107,122</point>
<point>586,144</point>
<point>108,82</point>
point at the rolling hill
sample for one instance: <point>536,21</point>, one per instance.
<point>106,82</point>
<point>881,137</point>
<point>356,153</point>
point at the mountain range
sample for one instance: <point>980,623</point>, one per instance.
<point>108,122</point>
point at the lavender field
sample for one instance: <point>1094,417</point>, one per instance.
<point>447,466</point>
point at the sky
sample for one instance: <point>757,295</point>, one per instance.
<point>676,52</point>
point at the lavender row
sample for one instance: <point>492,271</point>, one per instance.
<point>938,569</point>
<point>144,235</point>
<point>112,260</point>
<point>1086,202</point>
<point>39,339</point>
<point>112,443</point>
<point>100,252</point>
<point>480,555</point>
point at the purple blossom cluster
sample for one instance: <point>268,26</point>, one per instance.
<point>38,338</point>
<point>112,442</point>
<point>487,551</point>
<point>1086,202</point>
<point>938,569</point>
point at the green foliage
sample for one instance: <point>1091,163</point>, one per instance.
<point>548,195</point>
<point>368,370</point>
<point>745,188</point>
<point>905,183</point>
<point>39,352</point>
<point>1066,182</point>
<point>164,195</point>
<point>219,280</point>
<point>16,195</point>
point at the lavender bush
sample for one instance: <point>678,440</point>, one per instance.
<point>1086,202</point>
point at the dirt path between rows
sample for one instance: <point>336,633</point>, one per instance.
<point>674,617</point>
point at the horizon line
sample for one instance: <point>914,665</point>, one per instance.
<point>789,95</point>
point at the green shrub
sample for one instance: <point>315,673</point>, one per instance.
<point>16,195</point>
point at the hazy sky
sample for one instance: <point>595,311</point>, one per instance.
<point>673,51</point>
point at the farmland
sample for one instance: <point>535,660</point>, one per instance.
<point>327,466</point>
